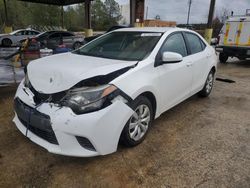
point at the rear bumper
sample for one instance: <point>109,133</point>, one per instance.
<point>234,51</point>
<point>101,129</point>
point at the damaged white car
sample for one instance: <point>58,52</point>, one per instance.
<point>84,102</point>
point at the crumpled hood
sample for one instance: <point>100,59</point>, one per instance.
<point>58,73</point>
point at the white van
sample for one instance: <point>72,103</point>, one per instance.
<point>234,38</point>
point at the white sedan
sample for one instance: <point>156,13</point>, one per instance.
<point>14,38</point>
<point>84,102</point>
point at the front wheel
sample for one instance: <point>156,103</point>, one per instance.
<point>6,42</point>
<point>139,123</point>
<point>205,92</point>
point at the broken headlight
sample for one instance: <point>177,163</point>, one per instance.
<point>89,99</point>
<point>26,80</point>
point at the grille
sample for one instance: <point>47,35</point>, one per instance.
<point>40,97</point>
<point>85,143</point>
<point>46,135</point>
<point>39,123</point>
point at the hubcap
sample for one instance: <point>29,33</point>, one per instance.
<point>209,84</point>
<point>139,121</point>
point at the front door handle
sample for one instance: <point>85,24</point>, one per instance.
<point>209,55</point>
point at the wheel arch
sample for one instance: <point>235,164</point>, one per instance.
<point>213,69</point>
<point>151,97</point>
<point>6,38</point>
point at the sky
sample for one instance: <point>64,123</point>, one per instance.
<point>176,10</point>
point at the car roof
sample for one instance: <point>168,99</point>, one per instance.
<point>152,29</point>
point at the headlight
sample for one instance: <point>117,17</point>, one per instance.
<point>88,99</point>
<point>26,80</point>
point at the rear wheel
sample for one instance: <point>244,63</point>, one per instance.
<point>139,123</point>
<point>223,57</point>
<point>6,42</point>
<point>205,92</point>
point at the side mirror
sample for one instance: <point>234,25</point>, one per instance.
<point>171,57</point>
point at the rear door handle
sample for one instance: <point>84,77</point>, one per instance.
<point>189,64</point>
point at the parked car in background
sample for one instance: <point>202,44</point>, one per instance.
<point>84,102</point>
<point>14,38</point>
<point>88,39</point>
<point>53,39</point>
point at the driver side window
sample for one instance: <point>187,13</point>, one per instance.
<point>175,43</point>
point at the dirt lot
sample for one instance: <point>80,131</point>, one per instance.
<point>199,143</point>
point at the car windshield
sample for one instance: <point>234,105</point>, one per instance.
<point>131,46</point>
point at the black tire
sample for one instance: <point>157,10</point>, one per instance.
<point>125,138</point>
<point>223,57</point>
<point>77,45</point>
<point>206,90</point>
<point>6,42</point>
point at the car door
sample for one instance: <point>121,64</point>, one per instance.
<point>68,39</point>
<point>18,36</point>
<point>199,53</point>
<point>176,78</point>
<point>54,40</point>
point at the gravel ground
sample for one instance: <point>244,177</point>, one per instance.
<point>199,143</point>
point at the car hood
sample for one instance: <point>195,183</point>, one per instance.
<point>58,73</point>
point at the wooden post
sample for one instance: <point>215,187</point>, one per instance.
<point>87,14</point>
<point>6,12</point>
<point>132,12</point>
<point>62,17</point>
<point>88,30</point>
<point>7,26</point>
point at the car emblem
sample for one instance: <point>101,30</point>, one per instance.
<point>50,80</point>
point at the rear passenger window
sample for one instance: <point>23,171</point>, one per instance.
<point>194,43</point>
<point>203,45</point>
<point>175,43</point>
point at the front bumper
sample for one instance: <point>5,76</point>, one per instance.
<point>60,131</point>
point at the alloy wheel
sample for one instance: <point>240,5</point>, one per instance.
<point>139,122</point>
<point>209,84</point>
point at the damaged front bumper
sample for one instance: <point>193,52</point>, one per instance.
<point>61,131</point>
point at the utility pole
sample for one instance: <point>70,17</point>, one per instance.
<point>189,8</point>
<point>209,30</point>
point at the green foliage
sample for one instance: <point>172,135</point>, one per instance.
<point>22,14</point>
<point>104,15</point>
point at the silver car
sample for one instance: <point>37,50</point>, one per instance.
<point>14,38</point>
<point>52,39</point>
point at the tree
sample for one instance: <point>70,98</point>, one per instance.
<point>217,25</point>
<point>22,14</point>
<point>98,15</point>
<point>104,15</point>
